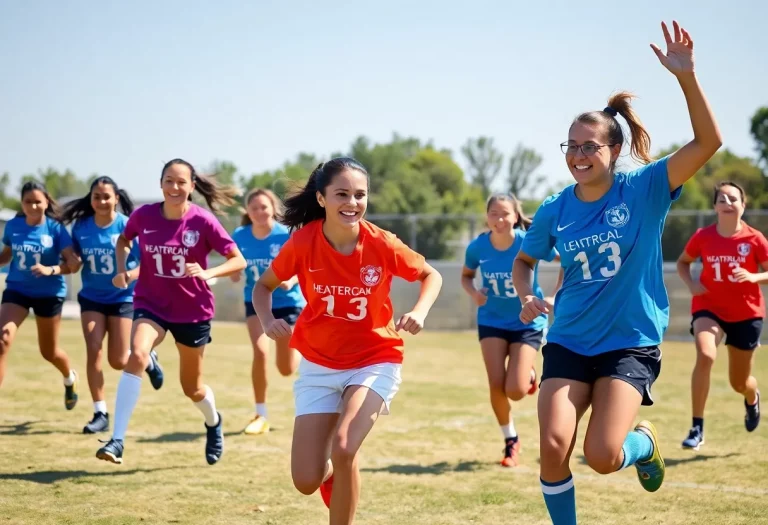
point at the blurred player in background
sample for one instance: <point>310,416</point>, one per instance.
<point>260,238</point>
<point>172,293</point>
<point>104,309</point>
<point>508,345</point>
<point>347,335</point>
<point>727,303</point>
<point>35,243</point>
<point>612,311</point>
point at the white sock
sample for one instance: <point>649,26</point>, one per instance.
<point>100,406</point>
<point>208,407</point>
<point>70,379</point>
<point>128,389</point>
<point>261,410</point>
<point>509,429</point>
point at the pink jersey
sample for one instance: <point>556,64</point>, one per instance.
<point>167,246</point>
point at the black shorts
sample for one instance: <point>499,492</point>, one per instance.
<point>106,309</point>
<point>637,366</point>
<point>744,335</point>
<point>41,306</point>
<point>529,337</point>
<point>187,334</point>
<point>289,314</point>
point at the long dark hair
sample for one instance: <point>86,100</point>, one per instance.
<point>302,207</point>
<point>215,196</point>
<point>53,210</point>
<point>523,221</point>
<point>277,205</point>
<point>82,207</point>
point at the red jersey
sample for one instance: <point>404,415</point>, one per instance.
<point>347,322</point>
<point>731,301</point>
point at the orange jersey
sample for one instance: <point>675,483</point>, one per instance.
<point>731,301</point>
<point>347,322</point>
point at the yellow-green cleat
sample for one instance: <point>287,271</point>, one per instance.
<point>70,393</point>
<point>651,471</point>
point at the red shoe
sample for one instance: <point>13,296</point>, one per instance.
<point>511,453</point>
<point>326,487</point>
<point>534,383</point>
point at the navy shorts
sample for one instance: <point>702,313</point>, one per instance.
<point>289,314</point>
<point>529,337</point>
<point>41,306</point>
<point>744,335</point>
<point>637,366</point>
<point>106,309</point>
<point>187,334</point>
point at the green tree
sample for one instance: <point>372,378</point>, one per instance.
<point>7,200</point>
<point>523,163</point>
<point>759,130</point>
<point>59,185</point>
<point>484,163</point>
<point>282,180</point>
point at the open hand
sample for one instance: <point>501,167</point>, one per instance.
<point>743,276</point>
<point>679,57</point>
<point>277,329</point>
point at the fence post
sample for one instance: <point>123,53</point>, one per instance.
<point>699,220</point>
<point>412,219</point>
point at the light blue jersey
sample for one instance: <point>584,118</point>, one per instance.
<point>96,247</point>
<point>31,245</point>
<point>259,254</point>
<point>613,295</point>
<point>502,310</point>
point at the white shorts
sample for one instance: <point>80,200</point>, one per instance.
<point>318,390</point>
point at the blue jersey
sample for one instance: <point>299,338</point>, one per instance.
<point>502,310</point>
<point>259,254</point>
<point>31,245</point>
<point>613,295</point>
<point>96,247</point>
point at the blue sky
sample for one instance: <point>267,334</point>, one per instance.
<point>120,87</point>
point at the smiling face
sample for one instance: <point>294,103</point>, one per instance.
<point>177,184</point>
<point>345,198</point>
<point>260,210</point>
<point>589,155</point>
<point>501,216</point>
<point>33,204</point>
<point>729,203</point>
<point>103,199</point>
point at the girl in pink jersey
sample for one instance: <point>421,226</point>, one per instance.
<point>172,295</point>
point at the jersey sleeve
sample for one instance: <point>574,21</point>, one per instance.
<point>652,180</point>
<point>133,226</point>
<point>539,242</point>
<point>408,264</point>
<point>7,235</point>
<point>762,248</point>
<point>219,238</point>
<point>285,266</point>
<point>75,242</point>
<point>551,255</point>
<point>471,259</point>
<point>693,247</point>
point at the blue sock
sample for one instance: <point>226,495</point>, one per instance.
<point>637,447</point>
<point>560,498</point>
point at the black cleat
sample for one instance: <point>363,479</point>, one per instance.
<point>99,423</point>
<point>156,375</point>
<point>112,451</point>
<point>752,417</point>
<point>214,442</point>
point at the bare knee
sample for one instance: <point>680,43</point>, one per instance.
<point>739,384</point>
<point>285,369</point>
<point>554,449</point>
<point>118,362</point>
<point>343,454</point>
<point>517,392</point>
<point>194,390</point>
<point>601,459</point>
<point>5,342</point>
<point>138,360</point>
<point>705,360</point>
<point>496,389</point>
<point>307,482</point>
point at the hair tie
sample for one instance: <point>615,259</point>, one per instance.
<point>612,112</point>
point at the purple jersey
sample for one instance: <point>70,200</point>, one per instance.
<point>167,246</point>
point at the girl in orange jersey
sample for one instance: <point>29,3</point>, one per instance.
<point>347,335</point>
<point>727,302</point>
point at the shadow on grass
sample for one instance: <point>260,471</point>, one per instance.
<point>47,477</point>
<point>435,469</point>
<point>180,437</point>
<point>25,429</point>
<point>671,462</point>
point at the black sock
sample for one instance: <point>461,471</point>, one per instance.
<point>699,422</point>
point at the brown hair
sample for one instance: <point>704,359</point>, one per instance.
<point>619,104</point>
<point>215,196</point>
<point>277,204</point>
<point>719,185</point>
<point>522,220</point>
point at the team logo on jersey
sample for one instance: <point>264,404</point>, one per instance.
<point>113,239</point>
<point>46,241</point>
<point>617,216</point>
<point>274,249</point>
<point>190,238</point>
<point>743,249</point>
<point>370,275</point>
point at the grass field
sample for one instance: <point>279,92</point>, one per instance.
<point>433,461</point>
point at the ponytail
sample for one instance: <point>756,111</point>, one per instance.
<point>215,196</point>
<point>82,208</point>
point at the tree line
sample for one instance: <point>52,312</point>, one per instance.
<point>411,176</point>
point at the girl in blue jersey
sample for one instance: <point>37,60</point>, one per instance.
<point>260,238</point>
<point>104,309</point>
<point>509,346</point>
<point>612,310</point>
<point>35,243</point>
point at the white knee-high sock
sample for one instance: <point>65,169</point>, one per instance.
<point>128,390</point>
<point>208,407</point>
